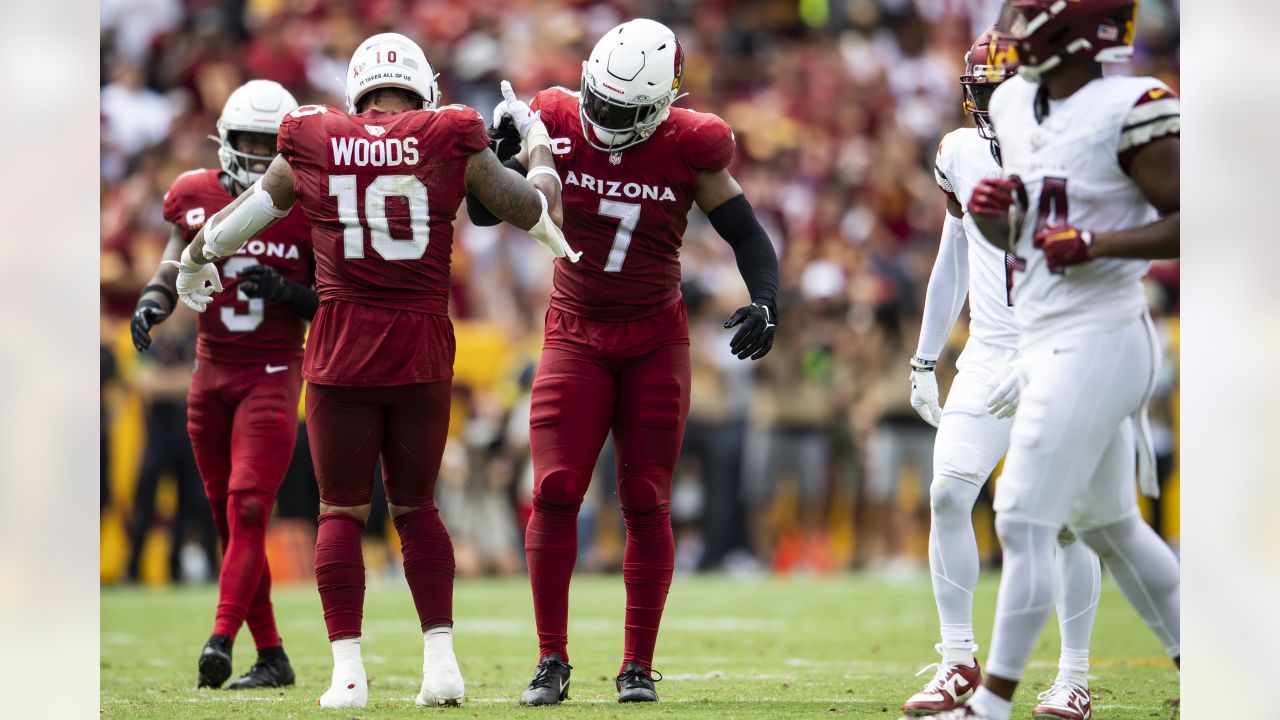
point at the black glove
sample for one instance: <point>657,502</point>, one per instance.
<point>264,281</point>
<point>504,140</point>
<point>755,338</point>
<point>147,315</point>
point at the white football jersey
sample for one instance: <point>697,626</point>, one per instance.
<point>964,159</point>
<point>1072,167</point>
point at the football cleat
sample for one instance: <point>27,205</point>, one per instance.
<point>270,671</point>
<point>550,684</point>
<point>635,684</point>
<point>963,712</point>
<point>215,662</point>
<point>950,686</point>
<point>1064,701</point>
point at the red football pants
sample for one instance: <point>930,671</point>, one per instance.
<point>577,398</point>
<point>243,422</point>
<point>348,429</point>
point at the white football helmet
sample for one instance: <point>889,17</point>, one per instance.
<point>257,106</point>
<point>629,83</point>
<point>390,60</point>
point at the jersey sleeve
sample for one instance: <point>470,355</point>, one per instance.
<point>470,127</point>
<point>940,165</point>
<point>551,103</point>
<point>182,208</point>
<point>1154,116</point>
<point>714,148</point>
<point>296,125</point>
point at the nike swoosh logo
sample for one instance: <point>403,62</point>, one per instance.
<point>276,368</point>
<point>563,685</point>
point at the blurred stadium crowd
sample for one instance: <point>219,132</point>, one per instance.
<point>811,460</point>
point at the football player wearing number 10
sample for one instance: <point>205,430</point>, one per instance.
<point>616,355</point>
<point>381,184</point>
<point>242,405</point>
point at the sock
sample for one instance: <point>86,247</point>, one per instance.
<point>340,575</point>
<point>1079,589</point>
<point>244,561</point>
<point>437,647</point>
<point>647,564</point>
<point>1147,572</point>
<point>262,617</point>
<point>428,565</point>
<point>953,564</point>
<point>990,705</point>
<point>348,687</point>
<point>551,548</point>
<point>1025,597</point>
<point>1073,667</point>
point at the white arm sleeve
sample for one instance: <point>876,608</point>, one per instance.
<point>948,287</point>
<point>244,221</point>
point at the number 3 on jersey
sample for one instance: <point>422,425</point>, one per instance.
<point>343,187</point>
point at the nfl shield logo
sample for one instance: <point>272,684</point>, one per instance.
<point>615,158</point>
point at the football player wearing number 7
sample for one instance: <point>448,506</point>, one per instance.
<point>616,355</point>
<point>381,185</point>
<point>973,428</point>
<point>242,405</point>
<point>1089,194</point>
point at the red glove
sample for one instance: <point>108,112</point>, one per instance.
<point>993,197</point>
<point>1064,246</point>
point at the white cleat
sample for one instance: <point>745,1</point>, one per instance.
<point>349,687</point>
<point>441,679</point>
<point>1064,701</point>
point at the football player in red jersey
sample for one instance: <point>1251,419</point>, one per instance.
<point>242,406</point>
<point>616,355</point>
<point>381,184</point>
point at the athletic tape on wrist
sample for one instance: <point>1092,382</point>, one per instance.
<point>544,170</point>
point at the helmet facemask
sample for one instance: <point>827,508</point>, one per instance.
<point>616,125</point>
<point>237,163</point>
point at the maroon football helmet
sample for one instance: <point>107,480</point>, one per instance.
<point>992,60</point>
<point>1048,31</point>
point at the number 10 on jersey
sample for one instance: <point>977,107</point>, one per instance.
<point>409,187</point>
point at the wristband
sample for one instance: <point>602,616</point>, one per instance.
<point>544,170</point>
<point>919,364</point>
<point>173,298</point>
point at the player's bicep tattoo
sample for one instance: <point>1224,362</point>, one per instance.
<point>502,191</point>
<point>278,182</point>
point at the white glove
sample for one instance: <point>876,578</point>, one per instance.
<point>528,123</point>
<point>1002,400</point>
<point>924,395</point>
<point>192,279</point>
<point>551,236</point>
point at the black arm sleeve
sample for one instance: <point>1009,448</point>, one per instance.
<point>480,214</point>
<point>302,300</point>
<point>757,262</point>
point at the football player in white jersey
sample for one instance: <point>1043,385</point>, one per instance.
<point>1096,160</point>
<point>971,440</point>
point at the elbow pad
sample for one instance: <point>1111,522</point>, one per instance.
<point>551,236</point>
<point>243,222</point>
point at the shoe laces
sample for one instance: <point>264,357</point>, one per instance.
<point>542,678</point>
<point>1060,693</point>
<point>940,671</point>
<point>637,675</point>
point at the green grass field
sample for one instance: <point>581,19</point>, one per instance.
<point>729,648</point>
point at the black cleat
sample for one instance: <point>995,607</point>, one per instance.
<point>635,684</point>
<point>271,670</point>
<point>215,662</point>
<point>550,685</point>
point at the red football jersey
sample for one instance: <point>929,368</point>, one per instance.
<point>236,328</point>
<point>381,190</point>
<point>626,212</point>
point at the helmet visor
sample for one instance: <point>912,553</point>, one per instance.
<point>615,116</point>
